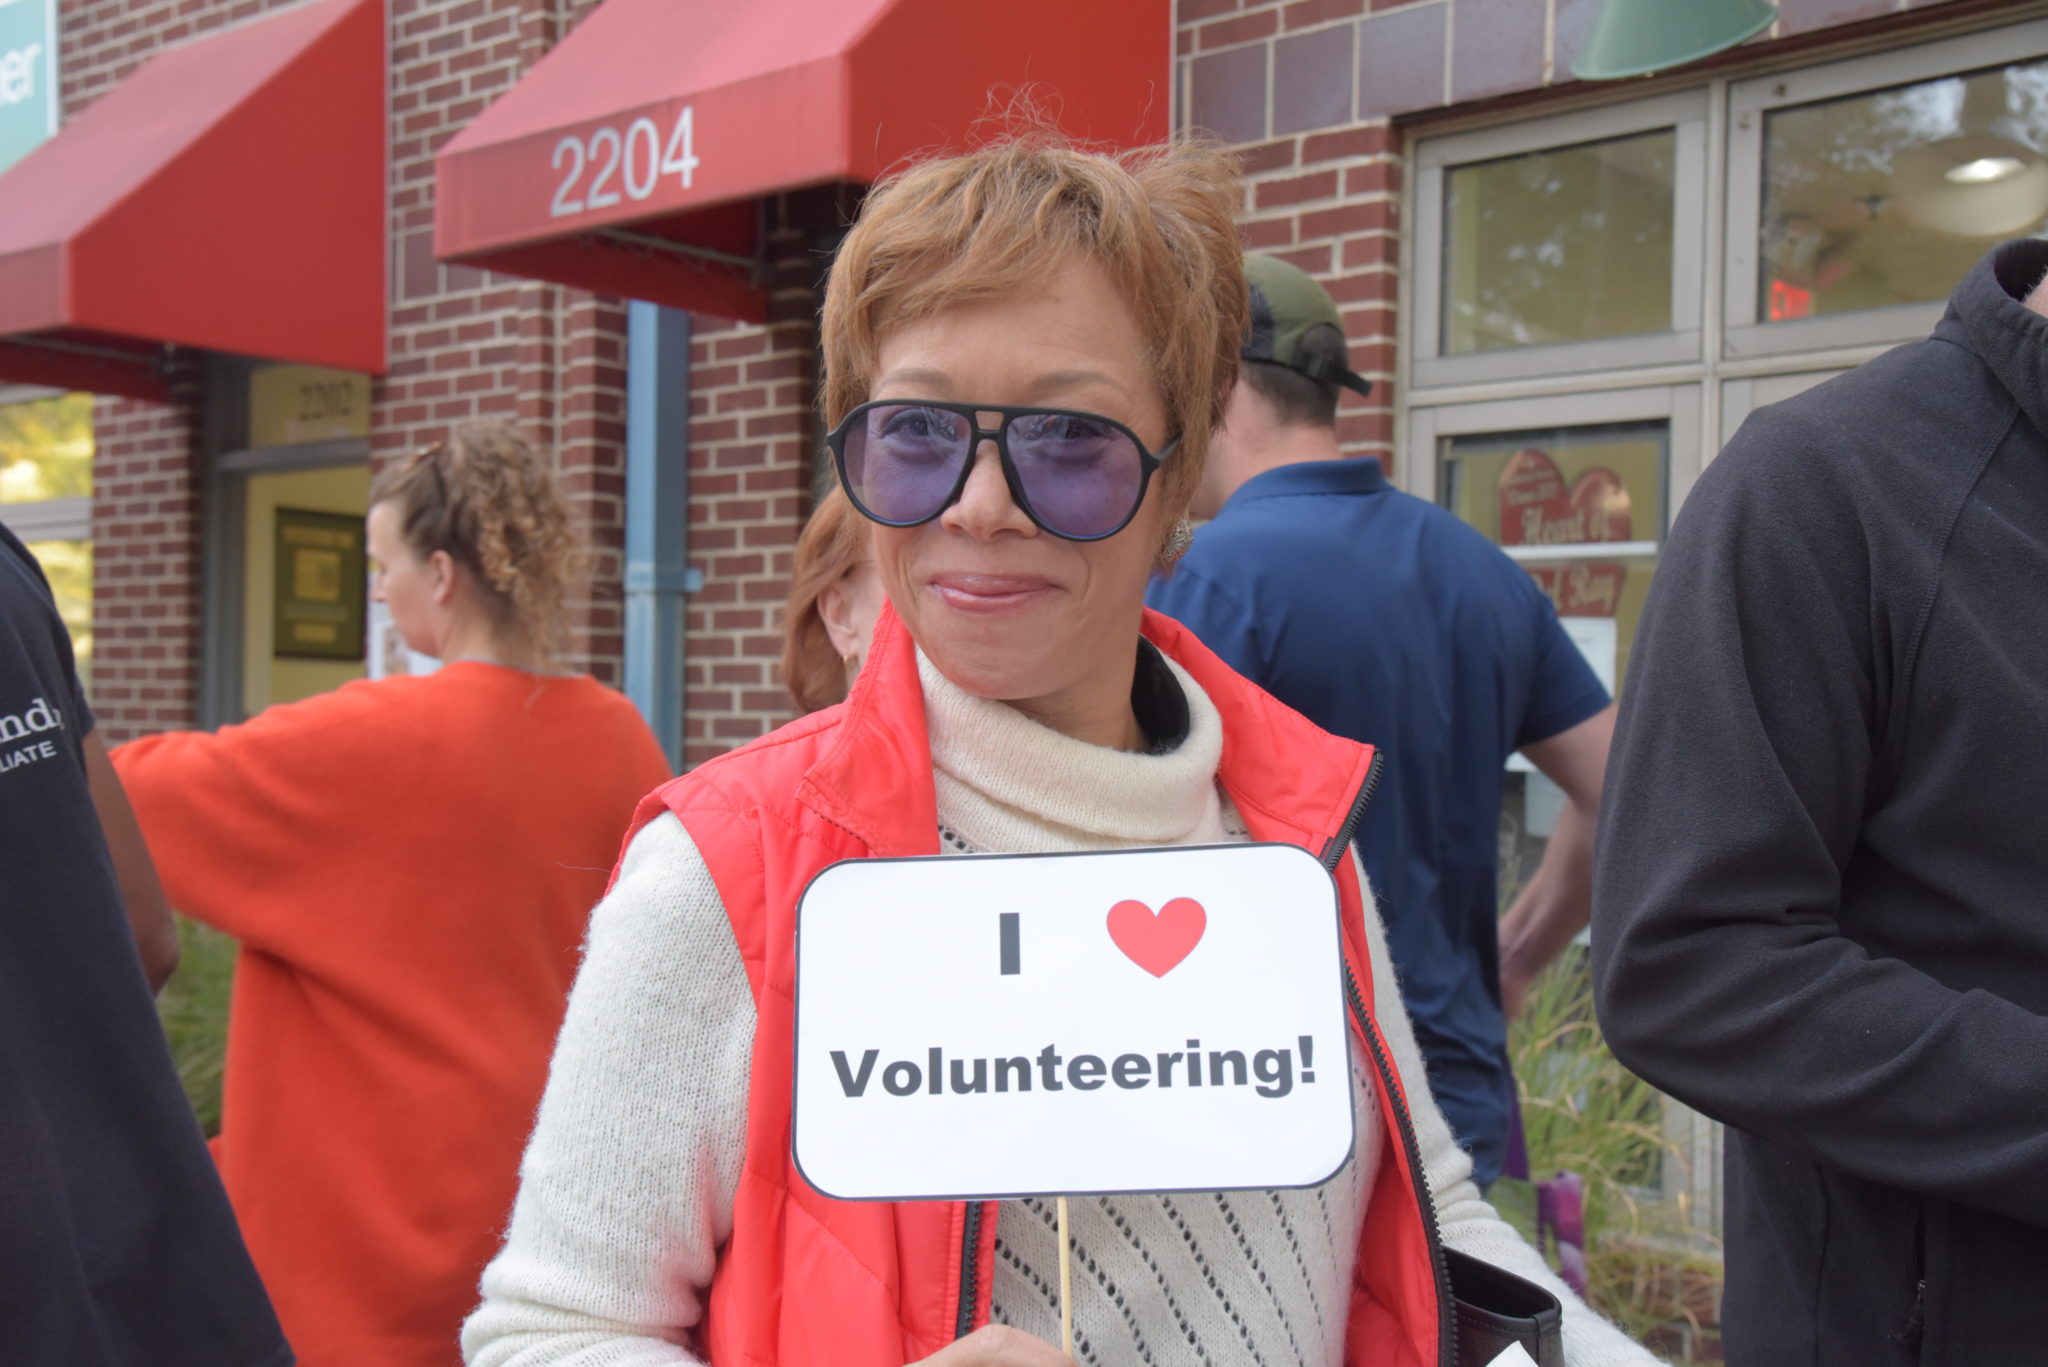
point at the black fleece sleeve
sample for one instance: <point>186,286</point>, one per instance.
<point>1734,796</point>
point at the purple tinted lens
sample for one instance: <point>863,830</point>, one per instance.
<point>1082,476</point>
<point>903,460</point>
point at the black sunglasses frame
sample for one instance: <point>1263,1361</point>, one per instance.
<point>1148,461</point>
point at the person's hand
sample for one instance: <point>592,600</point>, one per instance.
<point>997,1345</point>
<point>1514,990</point>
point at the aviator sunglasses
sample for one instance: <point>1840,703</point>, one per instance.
<point>1078,475</point>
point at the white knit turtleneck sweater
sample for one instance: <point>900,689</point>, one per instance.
<point>1256,1277</point>
<point>627,1187</point>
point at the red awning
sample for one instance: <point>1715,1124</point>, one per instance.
<point>630,159</point>
<point>228,195</point>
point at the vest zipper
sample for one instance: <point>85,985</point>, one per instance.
<point>1333,855</point>
<point>1447,1328</point>
<point>970,1271</point>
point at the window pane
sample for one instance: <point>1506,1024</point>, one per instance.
<point>46,449</point>
<point>1889,197</point>
<point>1563,245</point>
<point>1552,498</point>
<point>68,564</point>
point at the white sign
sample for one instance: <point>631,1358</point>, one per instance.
<point>28,76</point>
<point>1014,1025</point>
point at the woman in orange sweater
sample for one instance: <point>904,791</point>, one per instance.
<point>409,864</point>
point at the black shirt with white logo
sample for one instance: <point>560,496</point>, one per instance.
<point>117,1244</point>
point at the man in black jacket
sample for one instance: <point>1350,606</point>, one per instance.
<point>1821,897</point>
<point>117,1243</point>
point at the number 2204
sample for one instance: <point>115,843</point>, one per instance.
<point>635,163</point>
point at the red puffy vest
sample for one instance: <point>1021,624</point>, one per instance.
<point>807,1281</point>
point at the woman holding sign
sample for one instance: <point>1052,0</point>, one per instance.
<point>1026,351</point>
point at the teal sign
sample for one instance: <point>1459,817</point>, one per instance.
<point>28,76</point>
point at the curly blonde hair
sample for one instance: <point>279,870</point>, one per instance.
<point>1003,220</point>
<point>488,499</point>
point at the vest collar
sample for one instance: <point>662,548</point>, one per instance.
<point>875,780</point>
<point>1302,804</point>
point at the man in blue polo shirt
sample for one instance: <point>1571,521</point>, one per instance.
<point>1386,619</point>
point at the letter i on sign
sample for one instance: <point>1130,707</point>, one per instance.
<point>1008,935</point>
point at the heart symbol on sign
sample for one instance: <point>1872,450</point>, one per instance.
<point>1158,942</point>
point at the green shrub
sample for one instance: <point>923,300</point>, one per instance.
<point>194,1008</point>
<point>1649,1266</point>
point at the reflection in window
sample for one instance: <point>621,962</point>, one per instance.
<point>1563,245</point>
<point>1889,197</point>
<point>1553,498</point>
<point>46,449</point>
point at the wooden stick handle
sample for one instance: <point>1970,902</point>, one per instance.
<point>1066,1283</point>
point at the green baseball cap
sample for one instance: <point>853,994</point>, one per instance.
<point>1287,302</point>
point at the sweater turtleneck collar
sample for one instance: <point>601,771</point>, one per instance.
<point>1007,784</point>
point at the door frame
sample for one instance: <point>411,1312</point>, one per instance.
<point>229,462</point>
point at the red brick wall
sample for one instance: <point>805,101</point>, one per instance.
<point>104,40</point>
<point>469,344</point>
<point>752,396</point>
<point>1307,90</point>
<point>464,344</point>
<point>145,567</point>
<point>146,516</point>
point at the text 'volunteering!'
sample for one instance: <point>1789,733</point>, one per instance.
<point>1269,1072</point>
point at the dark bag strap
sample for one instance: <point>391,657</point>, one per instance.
<point>1497,1309</point>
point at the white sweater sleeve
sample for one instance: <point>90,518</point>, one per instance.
<point>1468,1223</point>
<point>626,1191</point>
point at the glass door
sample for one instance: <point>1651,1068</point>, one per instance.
<point>305,586</point>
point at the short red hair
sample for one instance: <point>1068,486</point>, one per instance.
<point>1002,220</point>
<point>833,542</point>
